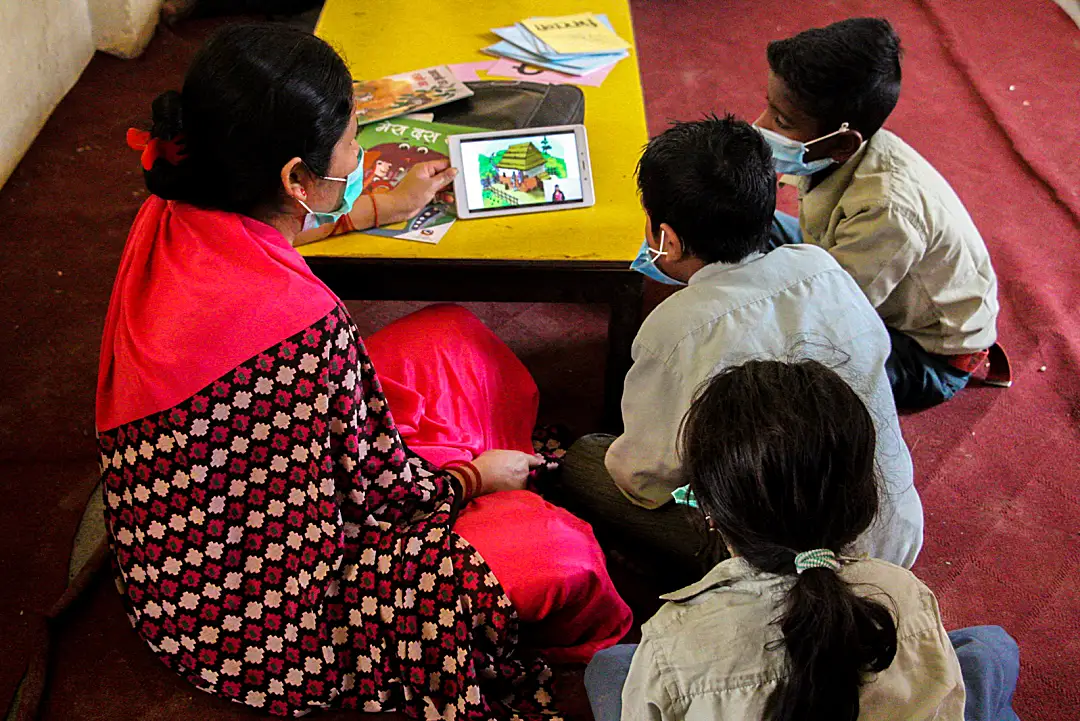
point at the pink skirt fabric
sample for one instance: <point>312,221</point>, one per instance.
<point>455,391</point>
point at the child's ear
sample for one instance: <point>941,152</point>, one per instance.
<point>672,243</point>
<point>845,144</point>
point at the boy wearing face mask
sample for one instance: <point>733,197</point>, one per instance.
<point>882,211</point>
<point>708,189</point>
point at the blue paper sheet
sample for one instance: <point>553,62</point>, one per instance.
<point>578,66</point>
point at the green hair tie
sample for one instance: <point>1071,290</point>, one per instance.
<point>817,558</point>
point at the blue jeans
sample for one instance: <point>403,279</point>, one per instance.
<point>604,679</point>
<point>989,663</point>
<point>920,379</point>
<point>785,230</point>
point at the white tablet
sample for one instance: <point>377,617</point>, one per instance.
<point>521,171</point>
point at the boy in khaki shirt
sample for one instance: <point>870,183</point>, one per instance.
<point>882,211</point>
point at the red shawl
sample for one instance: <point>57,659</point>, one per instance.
<point>172,269</point>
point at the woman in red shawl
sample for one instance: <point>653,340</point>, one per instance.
<point>277,541</point>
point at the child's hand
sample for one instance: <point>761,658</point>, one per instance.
<point>418,187</point>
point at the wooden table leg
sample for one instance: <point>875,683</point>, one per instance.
<point>625,319</point>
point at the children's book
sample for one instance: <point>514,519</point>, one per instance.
<point>391,148</point>
<point>406,93</point>
<point>582,33</point>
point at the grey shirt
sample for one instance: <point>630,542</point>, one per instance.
<point>795,302</point>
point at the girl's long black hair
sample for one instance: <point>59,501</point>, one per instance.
<point>780,456</point>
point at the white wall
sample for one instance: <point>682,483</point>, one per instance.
<point>123,27</point>
<point>44,46</point>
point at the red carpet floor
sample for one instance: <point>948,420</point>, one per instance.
<point>999,470</point>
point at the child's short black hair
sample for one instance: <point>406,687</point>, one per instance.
<point>847,72</point>
<point>713,182</point>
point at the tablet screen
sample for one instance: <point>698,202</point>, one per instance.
<point>520,170</point>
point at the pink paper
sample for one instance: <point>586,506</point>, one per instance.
<point>506,68</point>
<point>468,71</point>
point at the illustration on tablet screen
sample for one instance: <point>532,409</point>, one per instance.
<point>507,172</point>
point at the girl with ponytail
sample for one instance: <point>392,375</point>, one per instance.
<point>780,457</point>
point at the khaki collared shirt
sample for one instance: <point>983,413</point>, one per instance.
<point>709,653</point>
<point>893,223</point>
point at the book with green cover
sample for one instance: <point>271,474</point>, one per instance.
<point>391,148</point>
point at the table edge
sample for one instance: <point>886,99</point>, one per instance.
<point>315,261</point>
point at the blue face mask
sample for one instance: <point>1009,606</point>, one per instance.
<point>788,154</point>
<point>645,263</point>
<point>354,185</point>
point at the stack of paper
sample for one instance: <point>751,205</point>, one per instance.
<point>572,44</point>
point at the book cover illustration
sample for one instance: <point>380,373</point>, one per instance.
<point>391,148</point>
<point>406,93</point>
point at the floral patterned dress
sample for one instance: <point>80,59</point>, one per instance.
<point>278,545</point>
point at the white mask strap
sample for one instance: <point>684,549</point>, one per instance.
<point>661,251</point>
<point>324,177</point>
<point>306,206</point>
<point>843,129</point>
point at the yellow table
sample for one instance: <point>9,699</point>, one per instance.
<point>568,256</point>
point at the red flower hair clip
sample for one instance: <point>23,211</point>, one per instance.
<point>154,148</point>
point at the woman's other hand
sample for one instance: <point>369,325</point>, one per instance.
<point>417,188</point>
<point>505,470</point>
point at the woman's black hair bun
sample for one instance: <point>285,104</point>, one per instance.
<point>168,116</point>
<point>171,177</point>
